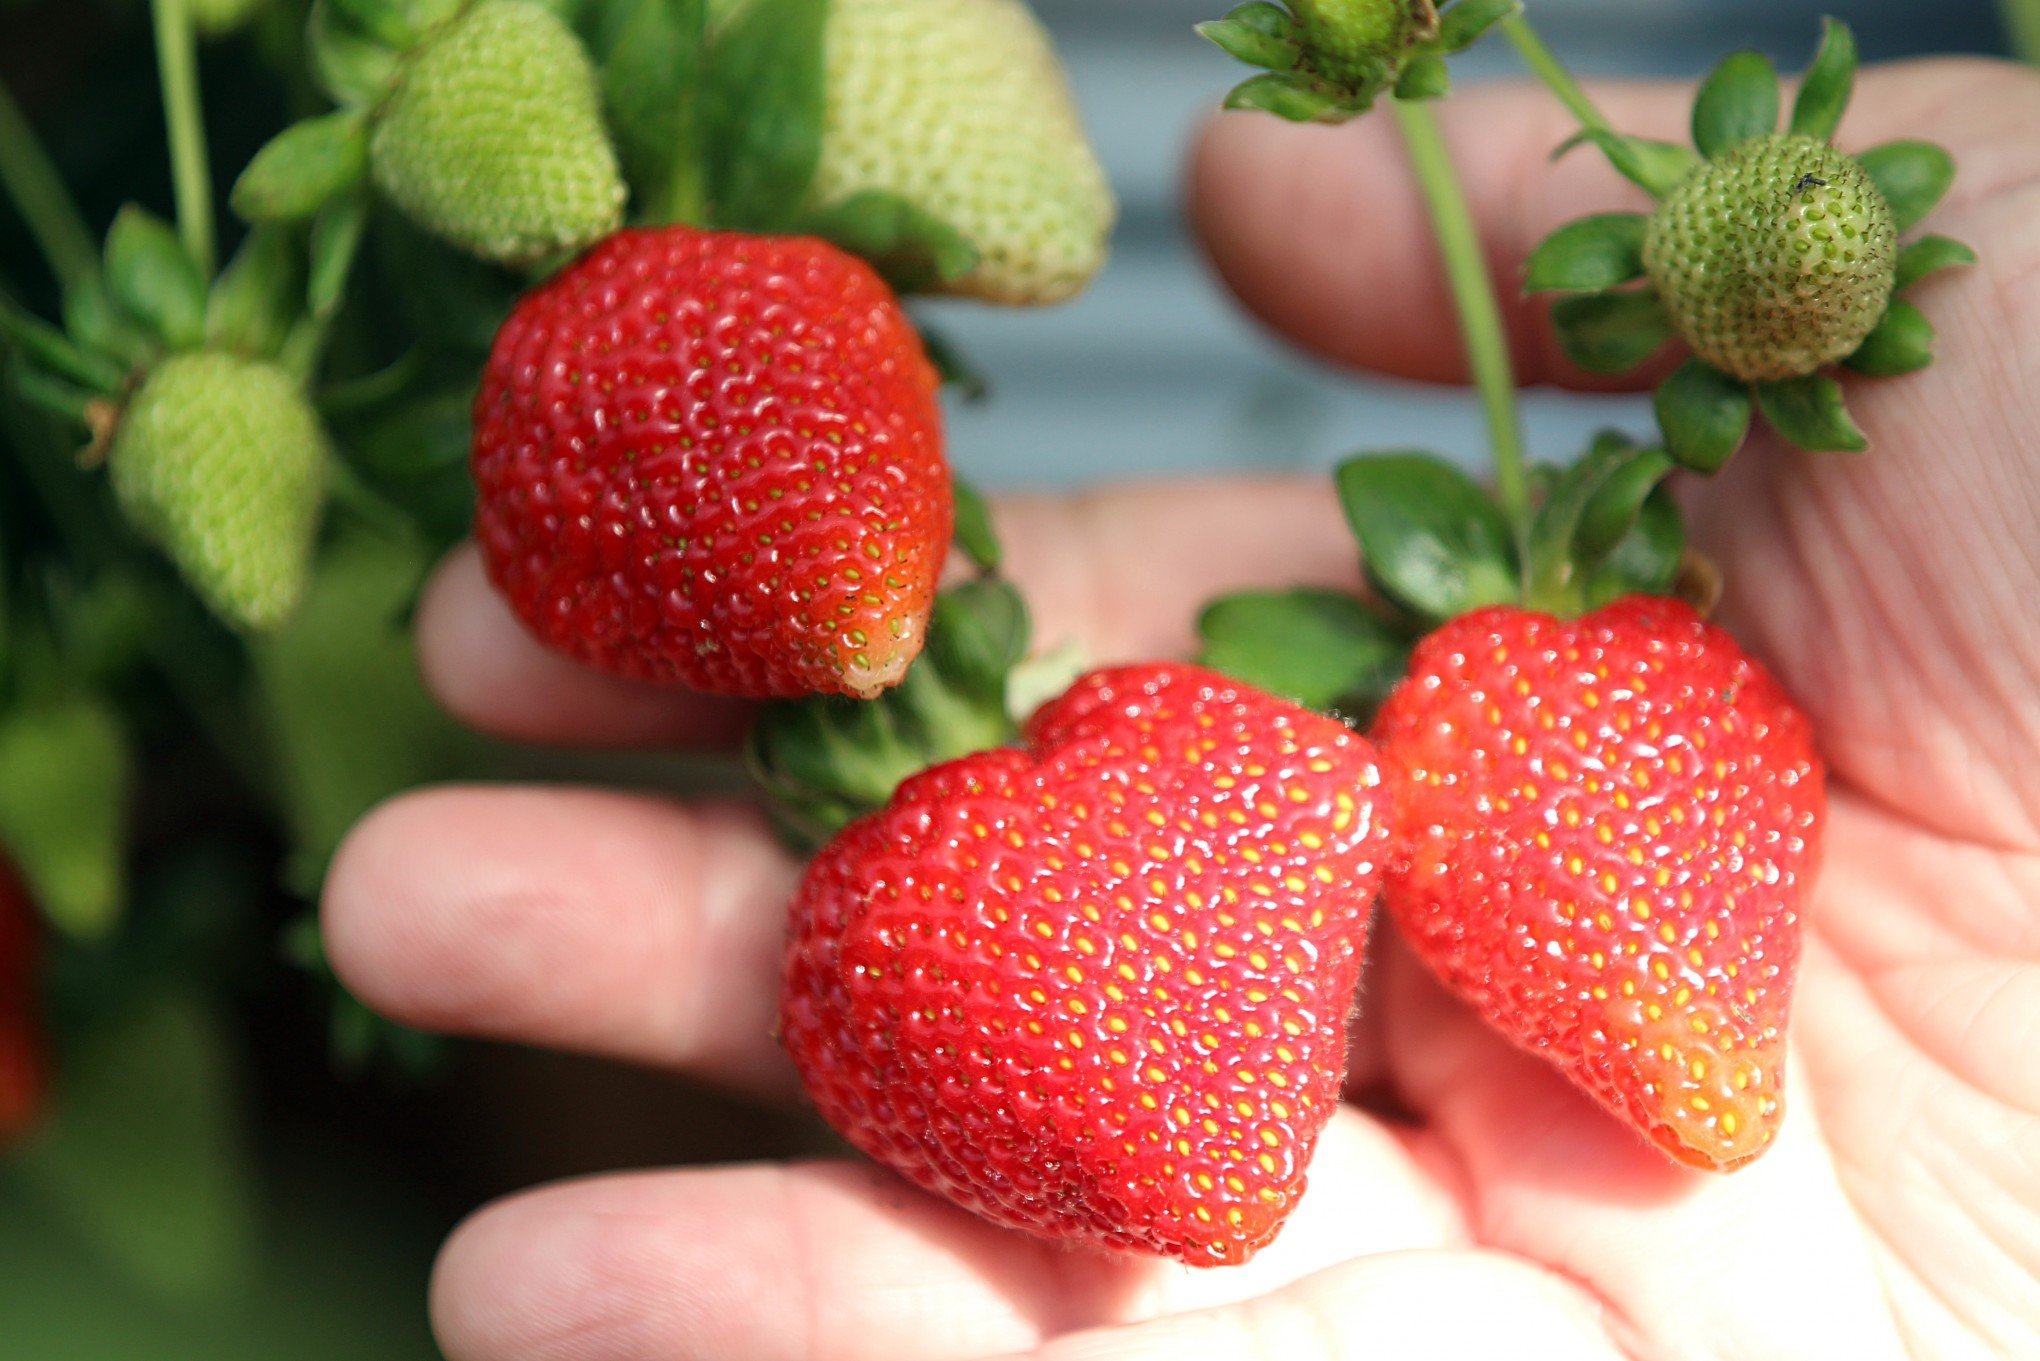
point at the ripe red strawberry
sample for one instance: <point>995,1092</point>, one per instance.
<point>716,460</point>
<point>22,1060</point>
<point>1097,989</point>
<point>1608,826</point>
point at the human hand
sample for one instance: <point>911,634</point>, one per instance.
<point>1470,1202</point>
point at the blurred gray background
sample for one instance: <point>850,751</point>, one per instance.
<point>1154,370</point>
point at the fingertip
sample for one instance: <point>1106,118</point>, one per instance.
<point>490,673</point>
<point>370,869</point>
<point>529,1279</point>
<point>414,889</point>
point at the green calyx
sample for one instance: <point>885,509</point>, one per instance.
<point>1328,61</point>
<point>826,761</point>
<point>1434,545</point>
<point>1772,257</point>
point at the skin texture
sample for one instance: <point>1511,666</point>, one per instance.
<point>1899,1212</point>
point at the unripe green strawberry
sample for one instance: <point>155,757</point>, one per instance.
<point>222,461</point>
<point>961,108</point>
<point>1774,260</point>
<point>493,137</point>
<point>1357,41</point>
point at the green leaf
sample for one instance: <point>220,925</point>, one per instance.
<point>349,65</point>
<point>1811,413</point>
<point>911,247</point>
<point>258,296</point>
<point>764,104</point>
<point>55,351</point>
<point>1930,255</point>
<point>95,322</point>
<point>1704,415</point>
<point>336,239</point>
<point>1259,34</point>
<point>1323,649</point>
<point>303,168</point>
<point>1424,77</point>
<point>978,633</point>
<point>1647,560</point>
<point>652,81</point>
<point>1611,513</point>
<point>1285,97</point>
<point>1902,343</point>
<point>1555,535</point>
<point>341,703</point>
<point>1589,255</point>
<point>144,1152</point>
<point>975,533</point>
<point>1824,94</point>
<point>1913,177</point>
<point>1610,332</point>
<point>1738,101</point>
<point>1656,167</point>
<point>1431,539</point>
<point>1462,25</point>
<point>64,781</point>
<point>153,280</point>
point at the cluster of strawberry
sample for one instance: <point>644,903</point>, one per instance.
<point>1088,973</point>
<point>1091,977</point>
<point>1096,984</point>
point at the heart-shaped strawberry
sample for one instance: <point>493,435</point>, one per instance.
<point>1097,989</point>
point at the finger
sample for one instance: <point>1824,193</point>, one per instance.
<point>1321,232</point>
<point>491,674</point>
<point>1562,1182</point>
<point>1892,593</point>
<point>848,1263</point>
<point>603,923</point>
<point>1119,571</point>
<point>1406,1305</point>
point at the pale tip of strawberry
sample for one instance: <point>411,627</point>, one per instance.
<point>1714,1098</point>
<point>866,672</point>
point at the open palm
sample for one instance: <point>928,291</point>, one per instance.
<point>1470,1203</point>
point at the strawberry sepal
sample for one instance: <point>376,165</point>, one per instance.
<point>1327,61</point>
<point>1773,257</point>
<point>826,761</point>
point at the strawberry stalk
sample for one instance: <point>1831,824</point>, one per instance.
<point>191,175</point>
<point>1480,314</point>
<point>38,193</point>
<point>1545,65</point>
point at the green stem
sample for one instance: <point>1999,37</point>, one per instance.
<point>177,62</point>
<point>1480,313</point>
<point>38,192</point>
<point>2022,24</point>
<point>1549,69</point>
